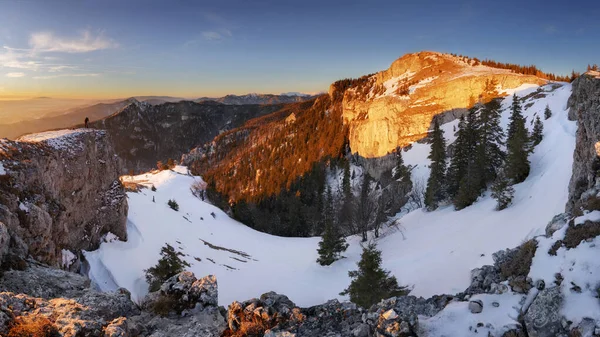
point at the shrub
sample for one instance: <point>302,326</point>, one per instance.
<point>173,204</point>
<point>520,263</point>
<point>169,265</point>
<point>575,234</point>
<point>32,326</point>
<point>163,305</point>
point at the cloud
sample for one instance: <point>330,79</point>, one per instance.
<point>59,68</point>
<point>15,75</point>
<point>66,75</point>
<point>86,42</point>
<point>17,59</point>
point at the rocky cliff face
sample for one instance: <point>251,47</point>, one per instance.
<point>142,133</point>
<point>396,107</point>
<point>584,107</point>
<point>59,191</point>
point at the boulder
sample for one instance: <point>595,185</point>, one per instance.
<point>476,306</point>
<point>543,318</point>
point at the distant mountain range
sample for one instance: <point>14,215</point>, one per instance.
<point>259,99</point>
<point>99,111</point>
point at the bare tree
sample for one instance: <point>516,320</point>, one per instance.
<point>417,195</point>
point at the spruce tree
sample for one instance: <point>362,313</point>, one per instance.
<point>371,283</point>
<point>332,243</point>
<point>400,171</point>
<point>547,112</point>
<point>470,184</point>
<point>502,191</point>
<point>517,145</point>
<point>490,142</point>
<point>538,132</point>
<point>435,184</point>
<point>459,160</point>
<point>170,264</point>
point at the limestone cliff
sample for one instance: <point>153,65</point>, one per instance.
<point>59,191</point>
<point>584,107</point>
<point>395,107</point>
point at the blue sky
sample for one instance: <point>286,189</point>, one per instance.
<point>110,48</point>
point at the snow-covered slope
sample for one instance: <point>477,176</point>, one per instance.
<point>432,252</point>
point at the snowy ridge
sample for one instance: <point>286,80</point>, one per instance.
<point>59,140</point>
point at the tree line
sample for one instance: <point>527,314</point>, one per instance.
<point>481,157</point>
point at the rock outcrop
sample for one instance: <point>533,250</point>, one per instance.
<point>584,107</point>
<point>60,193</point>
<point>396,107</point>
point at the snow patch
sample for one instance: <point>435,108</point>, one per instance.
<point>67,258</point>
<point>500,314</point>
<point>60,140</point>
<point>2,170</point>
<point>593,216</point>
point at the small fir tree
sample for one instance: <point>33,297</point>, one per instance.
<point>332,243</point>
<point>173,204</point>
<point>435,184</point>
<point>538,132</point>
<point>502,191</point>
<point>547,112</point>
<point>371,283</point>
<point>169,265</point>
<point>401,172</point>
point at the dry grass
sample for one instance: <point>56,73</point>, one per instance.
<point>32,326</point>
<point>163,305</point>
<point>131,186</point>
<point>521,262</point>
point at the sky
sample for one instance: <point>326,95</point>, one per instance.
<point>116,48</point>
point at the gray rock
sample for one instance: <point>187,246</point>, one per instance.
<point>543,319</point>
<point>62,196</point>
<point>45,282</point>
<point>187,292</point>
<point>476,306</point>
<point>557,222</point>
<point>362,330</point>
<point>584,107</point>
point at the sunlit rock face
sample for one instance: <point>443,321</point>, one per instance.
<point>396,106</point>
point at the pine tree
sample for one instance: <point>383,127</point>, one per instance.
<point>502,191</point>
<point>170,264</point>
<point>538,132</point>
<point>517,145</point>
<point>435,184</point>
<point>490,141</point>
<point>470,184</point>
<point>400,171</point>
<point>371,283</point>
<point>460,158</point>
<point>547,112</point>
<point>332,243</point>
